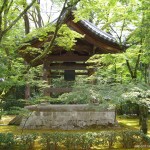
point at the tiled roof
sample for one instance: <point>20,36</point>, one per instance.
<point>90,26</point>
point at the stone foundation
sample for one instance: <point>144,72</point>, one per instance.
<point>67,117</point>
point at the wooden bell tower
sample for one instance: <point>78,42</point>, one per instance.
<point>70,64</point>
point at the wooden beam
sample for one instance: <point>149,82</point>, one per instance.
<point>59,90</point>
<point>55,76</point>
<point>62,73</point>
<point>68,58</point>
<point>107,47</point>
<point>61,66</point>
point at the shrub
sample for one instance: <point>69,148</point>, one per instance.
<point>26,142</point>
<point>7,141</point>
<point>75,141</point>
<point>131,138</point>
<point>51,141</point>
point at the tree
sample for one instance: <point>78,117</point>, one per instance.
<point>11,32</point>
<point>67,7</point>
<point>121,18</point>
<point>127,20</point>
<point>4,12</point>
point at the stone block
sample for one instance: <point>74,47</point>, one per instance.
<point>68,118</point>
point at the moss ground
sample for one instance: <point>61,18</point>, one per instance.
<point>123,124</point>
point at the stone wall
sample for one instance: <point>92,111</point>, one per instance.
<point>67,117</point>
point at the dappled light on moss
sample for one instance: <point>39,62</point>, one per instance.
<point>133,123</point>
<point>124,126</point>
<point>123,123</point>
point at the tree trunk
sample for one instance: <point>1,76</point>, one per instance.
<point>133,72</point>
<point>27,30</point>
<point>27,91</point>
<point>3,32</point>
<point>148,74</point>
<point>26,23</point>
<point>39,17</point>
<point>143,117</point>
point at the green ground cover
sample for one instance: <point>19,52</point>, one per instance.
<point>109,133</point>
<point>123,124</point>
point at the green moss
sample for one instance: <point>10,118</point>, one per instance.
<point>123,124</point>
<point>39,33</point>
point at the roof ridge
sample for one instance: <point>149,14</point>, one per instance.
<point>98,31</point>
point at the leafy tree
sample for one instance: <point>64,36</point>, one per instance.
<point>6,10</point>
<point>67,6</point>
<point>11,32</point>
<point>127,20</point>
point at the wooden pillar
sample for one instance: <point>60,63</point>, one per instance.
<point>46,77</point>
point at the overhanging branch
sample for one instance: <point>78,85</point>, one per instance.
<point>58,26</point>
<point>18,18</point>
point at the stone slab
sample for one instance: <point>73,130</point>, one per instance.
<point>67,117</point>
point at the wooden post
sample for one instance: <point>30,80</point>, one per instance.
<point>46,77</point>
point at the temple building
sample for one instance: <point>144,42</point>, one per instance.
<point>94,41</point>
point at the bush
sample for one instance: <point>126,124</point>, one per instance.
<point>52,141</point>
<point>26,142</point>
<point>86,141</point>
<point>131,138</point>
<point>7,141</point>
<point>74,141</point>
<point>128,108</point>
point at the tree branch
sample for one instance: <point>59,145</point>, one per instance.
<point>123,25</point>
<point>18,18</point>
<point>10,4</point>
<point>58,26</point>
<point>39,17</point>
<point>6,13</point>
<point>129,68</point>
<point>115,33</point>
<point>50,14</point>
<point>137,63</point>
<point>33,18</point>
<point>3,6</point>
<point>49,47</point>
<point>1,11</point>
